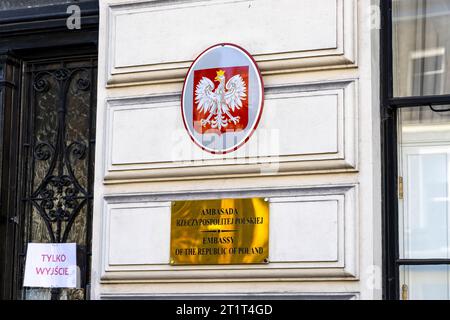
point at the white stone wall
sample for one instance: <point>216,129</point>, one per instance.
<point>315,154</point>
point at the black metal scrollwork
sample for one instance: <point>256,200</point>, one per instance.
<point>61,74</point>
<point>59,197</point>
<point>40,85</point>
<point>43,151</point>
<point>83,84</point>
<point>77,150</point>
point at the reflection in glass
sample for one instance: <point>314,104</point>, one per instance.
<point>425,282</point>
<point>421,42</point>
<point>424,165</point>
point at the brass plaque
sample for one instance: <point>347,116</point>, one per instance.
<point>221,231</point>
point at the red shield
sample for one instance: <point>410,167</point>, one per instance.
<point>202,120</point>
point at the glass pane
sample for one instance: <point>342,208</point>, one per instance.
<point>425,282</point>
<point>421,42</point>
<point>424,156</point>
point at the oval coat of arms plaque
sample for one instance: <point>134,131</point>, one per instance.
<point>222,98</point>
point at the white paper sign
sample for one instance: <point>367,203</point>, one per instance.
<point>51,265</point>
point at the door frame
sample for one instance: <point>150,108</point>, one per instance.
<point>29,34</point>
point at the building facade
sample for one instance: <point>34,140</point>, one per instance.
<point>308,155</point>
<point>350,150</point>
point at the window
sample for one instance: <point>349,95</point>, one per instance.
<point>416,148</point>
<point>423,206</point>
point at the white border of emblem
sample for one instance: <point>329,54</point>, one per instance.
<point>259,90</point>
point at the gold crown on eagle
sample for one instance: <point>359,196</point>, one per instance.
<point>220,73</point>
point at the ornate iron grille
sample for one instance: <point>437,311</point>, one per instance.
<point>57,162</point>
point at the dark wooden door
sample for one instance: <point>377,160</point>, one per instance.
<point>51,201</point>
<point>57,161</point>
<point>48,77</point>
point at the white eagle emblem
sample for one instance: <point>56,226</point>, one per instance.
<point>219,102</point>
